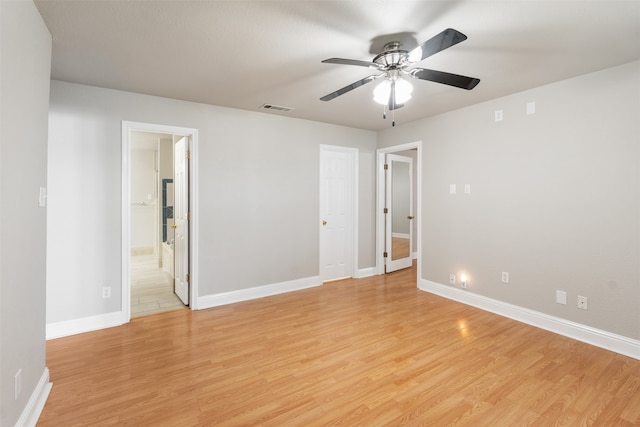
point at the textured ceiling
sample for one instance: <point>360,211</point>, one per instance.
<point>243,54</point>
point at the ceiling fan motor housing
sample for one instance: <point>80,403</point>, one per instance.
<point>393,57</point>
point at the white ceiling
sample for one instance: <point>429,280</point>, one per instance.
<point>243,54</point>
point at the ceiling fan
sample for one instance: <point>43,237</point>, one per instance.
<point>394,63</point>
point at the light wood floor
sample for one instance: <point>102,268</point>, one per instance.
<point>371,352</point>
<point>151,287</point>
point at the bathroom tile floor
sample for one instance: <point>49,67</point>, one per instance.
<point>151,287</point>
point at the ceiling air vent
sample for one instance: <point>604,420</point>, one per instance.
<point>272,107</point>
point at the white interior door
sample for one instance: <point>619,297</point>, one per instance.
<point>399,212</point>
<point>181,219</point>
<point>337,189</point>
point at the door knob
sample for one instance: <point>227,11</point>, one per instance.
<point>324,222</point>
<point>409,217</point>
<point>173,226</point>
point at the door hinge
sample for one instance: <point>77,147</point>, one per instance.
<point>385,210</point>
<point>386,166</point>
<point>384,254</point>
<point>187,154</point>
<point>188,216</point>
<point>188,277</point>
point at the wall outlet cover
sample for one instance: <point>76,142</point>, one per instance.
<point>582,302</point>
<point>106,292</point>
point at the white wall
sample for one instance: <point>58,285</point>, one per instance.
<point>258,194</point>
<point>144,199</point>
<point>25,49</point>
<point>166,172</point>
<point>555,197</point>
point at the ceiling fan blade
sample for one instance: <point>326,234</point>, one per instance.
<point>350,87</point>
<point>435,44</point>
<point>352,62</point>
<point>456,80</point>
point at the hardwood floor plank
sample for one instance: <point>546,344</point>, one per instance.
<point>373,352</point>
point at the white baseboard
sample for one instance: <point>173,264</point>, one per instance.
<point>35,405</point>
<point>365,272</point>
<point>599,338</point>
<point>401,235</point>
<point>85,324</point>
<point>224,298</point>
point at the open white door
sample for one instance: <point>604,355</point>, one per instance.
<point>337,207</point>
<point>181,219</point>
<point>399,212</point>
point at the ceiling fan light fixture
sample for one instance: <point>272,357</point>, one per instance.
<point>415,55</point>
<point>403,91</point>
<point>382,92</point>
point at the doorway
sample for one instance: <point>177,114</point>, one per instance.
<point>158,219</point>
<point>408,218</point>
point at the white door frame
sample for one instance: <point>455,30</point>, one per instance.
<point>352,221</point>
<point>127,128</point>
<point>380,200</point>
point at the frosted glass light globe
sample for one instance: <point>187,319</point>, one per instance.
<point>403,91</point>
<point>381,92</point>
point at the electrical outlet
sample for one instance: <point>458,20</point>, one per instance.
<point>505,277</point>
<point>106,292</point>
<point>498,115</point>
<point>452,279</point>
<point>582,302</point>
<point>463,281</point>
<point>17,383</point>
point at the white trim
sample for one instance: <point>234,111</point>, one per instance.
<point>35,405</point>
<point>127,127</point>
<point>380,197</point>
<point>231,297</point>
<point>597,337</point>
<point>401,235</point>
<point>85,324</point>
<point>353,220</point>
<point>365,272</point>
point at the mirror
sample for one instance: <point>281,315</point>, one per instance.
<point>401,210</point>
